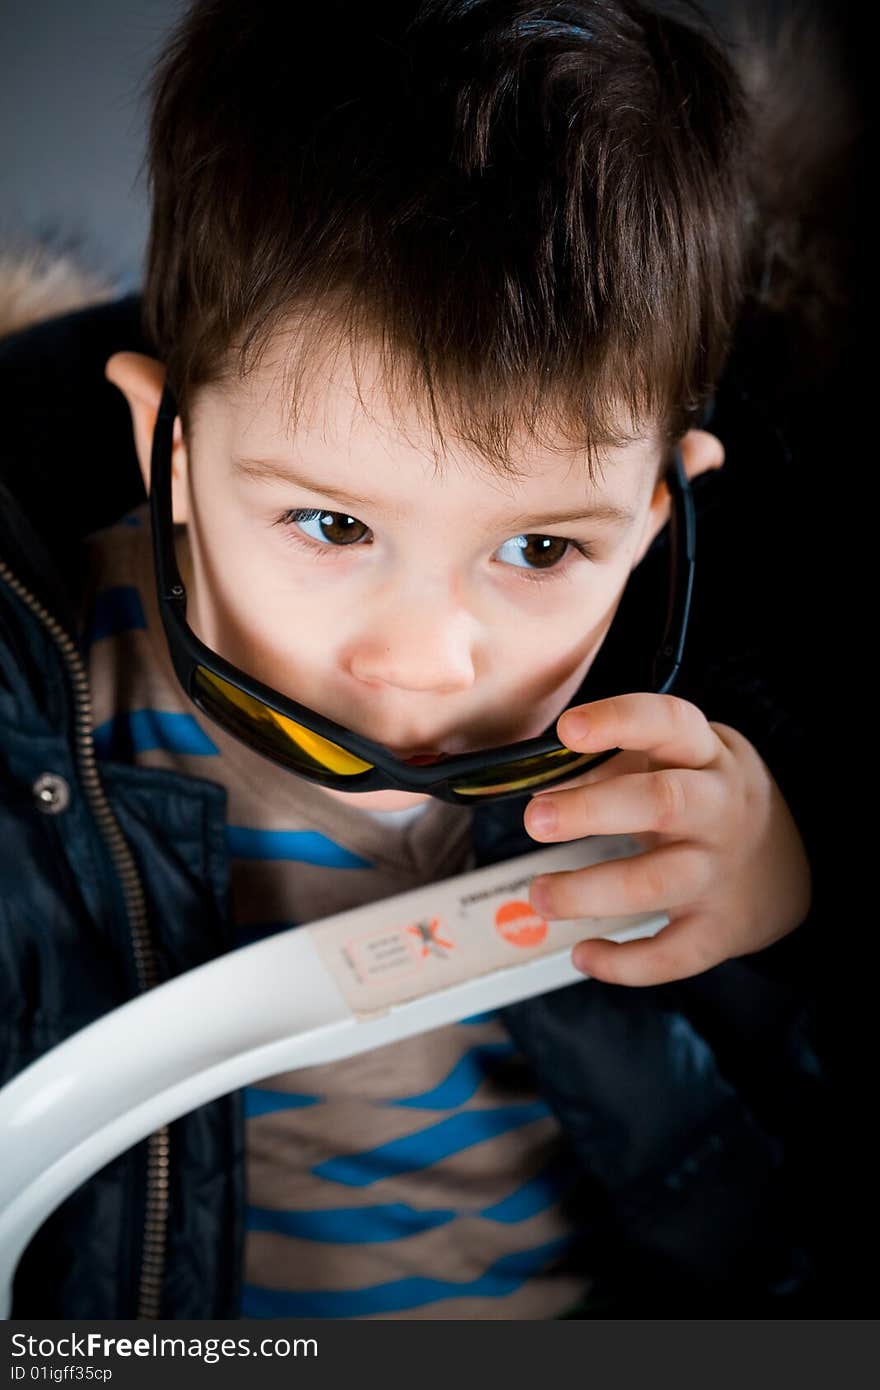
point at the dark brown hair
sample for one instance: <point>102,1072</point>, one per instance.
<point>538,212</point>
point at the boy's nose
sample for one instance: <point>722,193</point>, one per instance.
<point>423,650</point>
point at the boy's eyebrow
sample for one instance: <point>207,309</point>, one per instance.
<point>277,470</point>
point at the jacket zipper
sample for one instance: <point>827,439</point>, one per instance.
<point>158,1143</point>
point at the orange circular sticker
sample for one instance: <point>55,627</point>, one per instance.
<point>520,924</point>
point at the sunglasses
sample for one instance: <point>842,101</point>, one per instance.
<point>307,744</point>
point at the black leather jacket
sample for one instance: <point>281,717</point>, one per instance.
<point>677,1100</point>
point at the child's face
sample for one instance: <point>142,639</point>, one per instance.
<point>434,630</point>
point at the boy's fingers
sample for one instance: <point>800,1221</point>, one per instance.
<point>670,876</point>
<point>672,730</point>
<point>671,801</point>
<point>688,946</point>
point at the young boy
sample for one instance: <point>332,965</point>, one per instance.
<point>438,288</point>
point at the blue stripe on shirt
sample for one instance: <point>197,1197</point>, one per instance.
<point>303,846</point>
<point>428,1146</point>
<point>258,1101</point>
<point>502,1278</point>
<point>146,730</point>
<point>466,1077</point>
<point>540,1192</point>
<point>396,1220</point>
<point>349,1225</point>
<point>115,611</point>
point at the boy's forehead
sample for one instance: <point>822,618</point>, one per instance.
<point>331,412</point>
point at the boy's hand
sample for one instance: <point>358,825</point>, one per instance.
<point>724,858</point>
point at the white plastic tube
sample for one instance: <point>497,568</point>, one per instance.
<point>294,1000</point>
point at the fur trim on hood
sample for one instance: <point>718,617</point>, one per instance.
<point>38,283</point>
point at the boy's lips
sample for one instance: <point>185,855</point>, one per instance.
<point>418,757</point>
<point>423,757</point>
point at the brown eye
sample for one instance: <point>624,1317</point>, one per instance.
<point>341,529</point>
<point>330,528</point>
<point>535,552</point>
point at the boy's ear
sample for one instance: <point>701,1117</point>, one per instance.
<point>700,451</point>
<point>141,379</point>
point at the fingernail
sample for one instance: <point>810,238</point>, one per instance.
<point>574,726</point>
<point>543,815</point>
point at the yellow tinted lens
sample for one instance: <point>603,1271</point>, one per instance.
<point>265,729</point>
<point>524,774</point>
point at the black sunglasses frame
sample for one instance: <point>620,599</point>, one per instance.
<point>188,653</point>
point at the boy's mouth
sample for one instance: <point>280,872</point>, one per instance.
<point>457,745</point>
<point>422,758</point>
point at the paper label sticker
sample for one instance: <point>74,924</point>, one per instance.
<point>391,951</point>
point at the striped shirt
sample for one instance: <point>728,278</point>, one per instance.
<point>424,1179</point>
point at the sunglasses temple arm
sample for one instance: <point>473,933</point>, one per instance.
<point>167,572</point>
<point>681,577</point>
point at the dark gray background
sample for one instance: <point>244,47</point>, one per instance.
<point>72,124</point>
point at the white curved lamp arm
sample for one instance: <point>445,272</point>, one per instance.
<point>291,1001</point>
